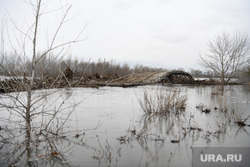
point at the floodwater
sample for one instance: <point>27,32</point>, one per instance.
<point>114,131</point>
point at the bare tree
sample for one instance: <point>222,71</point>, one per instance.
<point>227,55</point>
<point>31,110</point>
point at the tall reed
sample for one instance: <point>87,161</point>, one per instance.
<point>163,102</point>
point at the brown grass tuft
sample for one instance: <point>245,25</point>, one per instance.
<point>163,102</point>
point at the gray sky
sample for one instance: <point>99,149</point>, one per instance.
<point>158,33</point>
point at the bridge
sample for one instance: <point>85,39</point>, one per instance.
<point>155,77</point>
<point>173,76</point>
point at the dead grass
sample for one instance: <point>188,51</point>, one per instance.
<point>163,102</point>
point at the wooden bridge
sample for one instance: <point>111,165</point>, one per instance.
<point>179,76</point>
<point>154,77</point>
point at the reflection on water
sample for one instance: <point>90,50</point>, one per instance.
<point>128,137</point>
<point>43,151</point>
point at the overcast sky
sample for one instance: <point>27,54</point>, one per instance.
<point>158,33</point>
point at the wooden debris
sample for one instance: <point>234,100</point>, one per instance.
<point>175,141</point>
<point>122,139</point>
<point>195,128</point>
<point>159,139</point>
<point>206,111</point>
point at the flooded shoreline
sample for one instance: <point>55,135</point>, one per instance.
<point>19,84</point>
<point>114,130</point>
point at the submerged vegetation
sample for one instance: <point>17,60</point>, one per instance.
<point>163,102</point>
<point>172,104</point>
<point>165,118</point>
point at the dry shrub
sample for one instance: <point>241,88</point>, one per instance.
<point>203,108</point>
<point>163,102</point>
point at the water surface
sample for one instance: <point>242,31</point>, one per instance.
<point>116,131</point>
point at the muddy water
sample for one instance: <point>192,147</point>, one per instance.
<point>127,137</point>
<point>116,132</point>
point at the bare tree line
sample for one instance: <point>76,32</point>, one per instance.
<point>51,66</point>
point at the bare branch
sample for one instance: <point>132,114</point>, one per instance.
<point>227,55</point>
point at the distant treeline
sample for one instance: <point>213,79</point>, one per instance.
<point>53,66</point>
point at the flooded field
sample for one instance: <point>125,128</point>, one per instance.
<point>109,127</point>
